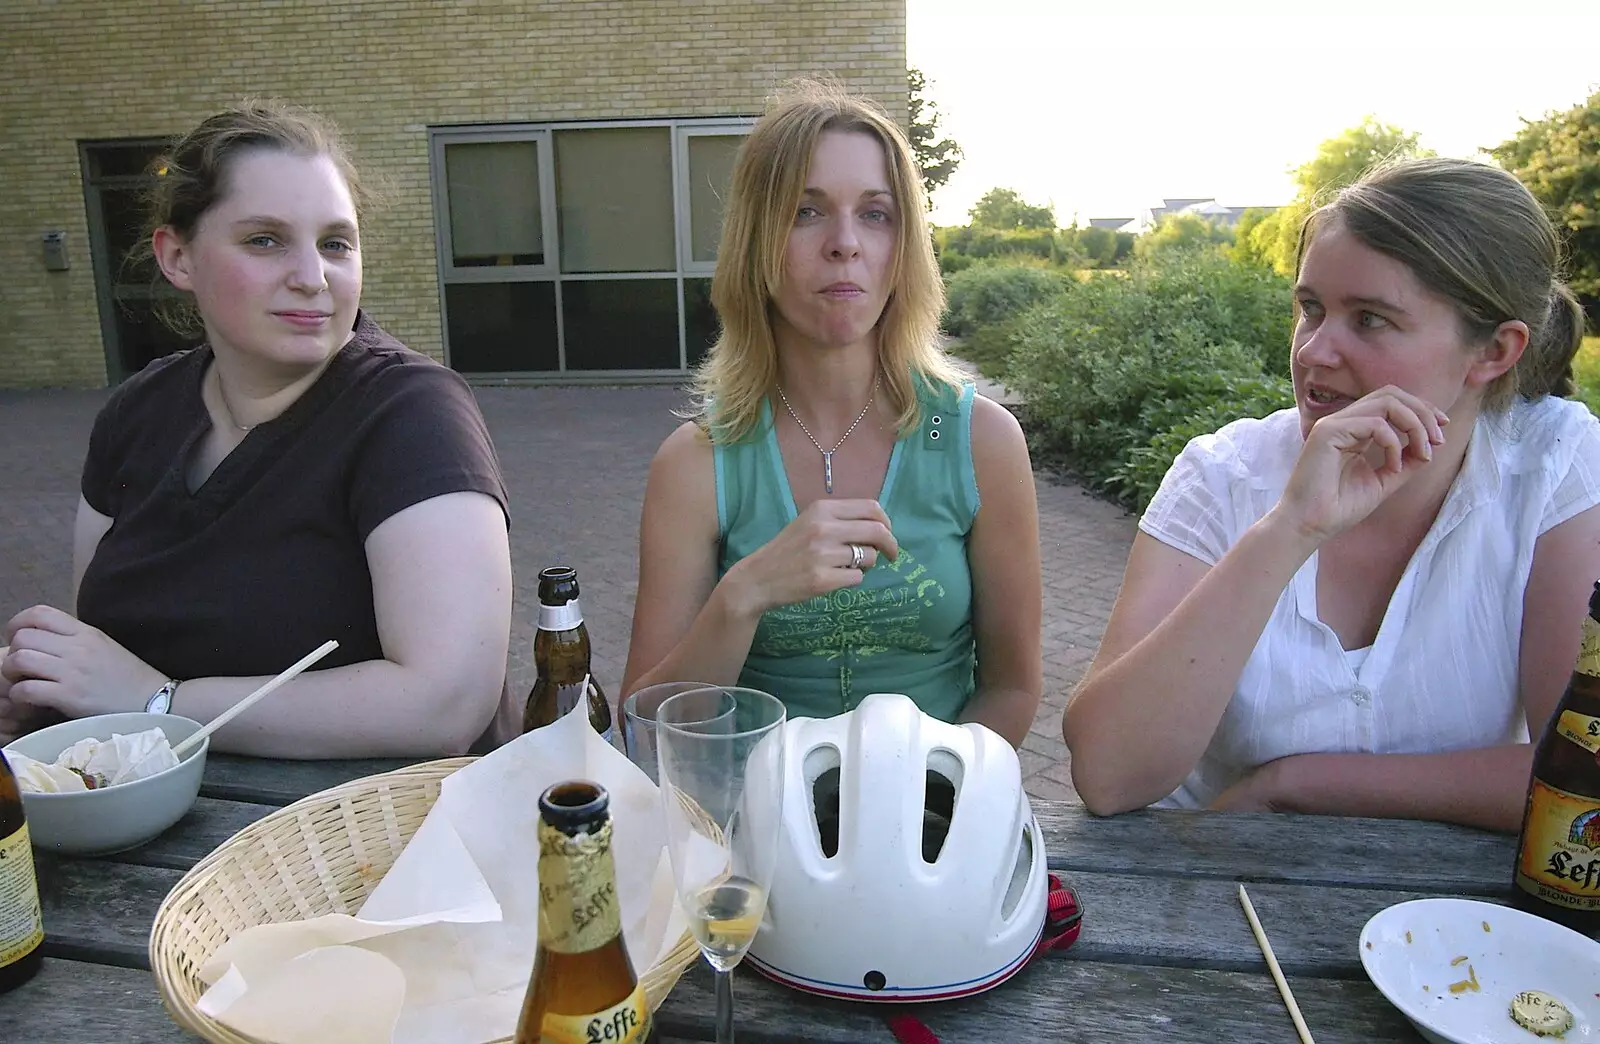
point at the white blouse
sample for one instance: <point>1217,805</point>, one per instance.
<point>1442,673</point>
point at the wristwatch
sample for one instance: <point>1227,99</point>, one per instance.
<point>161,701</point>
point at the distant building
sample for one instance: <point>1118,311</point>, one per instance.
<point>1207,208</point>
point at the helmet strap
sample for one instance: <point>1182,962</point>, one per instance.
<point>1063,917</point>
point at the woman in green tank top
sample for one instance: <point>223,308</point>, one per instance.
<point>842,515</point>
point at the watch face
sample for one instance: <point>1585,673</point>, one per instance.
<point>161,701</point>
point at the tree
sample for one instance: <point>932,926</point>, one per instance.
<point>1005,209</point>
<point>937,158</point>
<point>1339,162</point>
<point>1182,232</point>
<point>1558,158</point>
<point>1244,248</point>
<point>1099,245</point>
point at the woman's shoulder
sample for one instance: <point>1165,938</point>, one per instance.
<point>381,351</point>
<point>1544,434</point>
<point>683,453</point>
<point>156,388</point>
<point>1249,446</point>
<point>1544,420</point>
<point>379,370</point>
<point>934,394</point>
<point>994,425</point>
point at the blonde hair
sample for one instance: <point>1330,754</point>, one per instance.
<point>769,177</point>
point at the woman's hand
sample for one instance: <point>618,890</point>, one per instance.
<point>1260,791</point>
<point>15,719</point>
<point>1354,459</point>
<point>812,555</point>
<point>58,662</point>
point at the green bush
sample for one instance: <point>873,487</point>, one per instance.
<point>989,348</point>
<point>1209,405</point>
<point>961,246</point>
<point>1120,372</point>
<point>983,295</point>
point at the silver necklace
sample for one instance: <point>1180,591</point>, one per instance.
<point>222,397</point>
<point>827,454</point>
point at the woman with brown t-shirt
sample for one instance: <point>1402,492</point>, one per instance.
<point>302,476</point>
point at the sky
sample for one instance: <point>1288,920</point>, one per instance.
<point>1103,114</point>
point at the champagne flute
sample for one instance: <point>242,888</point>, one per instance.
<point>722,794</point>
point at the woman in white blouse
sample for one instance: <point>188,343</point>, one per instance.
<point>1358,606</point>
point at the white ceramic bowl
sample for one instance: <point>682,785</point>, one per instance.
<point>98,822</point>
<point>1410,952</point>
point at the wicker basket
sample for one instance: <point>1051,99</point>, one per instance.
<point>323,854</point>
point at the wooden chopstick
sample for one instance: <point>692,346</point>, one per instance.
<point>1272,966</point>
<point>250,701</point>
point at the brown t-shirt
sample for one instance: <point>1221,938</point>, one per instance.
<point>266,560</point>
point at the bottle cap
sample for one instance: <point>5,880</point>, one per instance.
<point>573,806</point>
<point>1540,1014</point>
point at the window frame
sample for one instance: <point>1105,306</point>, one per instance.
<point>680,130</point>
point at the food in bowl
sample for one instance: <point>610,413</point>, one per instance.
<point>94,764</point>
<point>1540,1014</point>
<point>112,818</point>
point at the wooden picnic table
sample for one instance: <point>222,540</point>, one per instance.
<point>1165,953</point>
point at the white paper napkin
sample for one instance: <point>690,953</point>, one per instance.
<point>441,951</point>
<point>121,759</point>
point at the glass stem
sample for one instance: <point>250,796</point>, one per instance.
<point>724,1007</point>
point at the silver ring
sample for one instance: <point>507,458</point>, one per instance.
<point>858,556</point>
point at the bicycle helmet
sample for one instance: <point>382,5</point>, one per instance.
<point>909,864</point>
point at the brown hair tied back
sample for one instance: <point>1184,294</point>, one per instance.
<point>1476,236</point>
<point>193,176</point>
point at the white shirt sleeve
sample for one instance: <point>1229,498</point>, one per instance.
<point>1577,488</point>
<point>1193,510</point>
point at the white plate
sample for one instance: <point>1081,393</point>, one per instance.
<point>1409,952</point>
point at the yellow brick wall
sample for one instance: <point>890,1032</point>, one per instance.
<point>384,70</point>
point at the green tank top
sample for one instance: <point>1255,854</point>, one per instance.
<point>908,627</point>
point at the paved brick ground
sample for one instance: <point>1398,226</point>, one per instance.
<point>575,461</point>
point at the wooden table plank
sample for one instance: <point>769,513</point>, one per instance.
<point>1199,923</point>
<point>272,781</point>
<point>104,910</point>
<point>72,1003</point>
<point>101,911</point>
<point>208,824</point>
<point>1063,1000</point>
<point>1316,850</point>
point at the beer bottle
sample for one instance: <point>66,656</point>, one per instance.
<point>1557,872</point>
<point>21,922</point>
<point>584,987</point>
<point>561,657</point>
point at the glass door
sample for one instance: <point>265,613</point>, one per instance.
<point>117,175</point>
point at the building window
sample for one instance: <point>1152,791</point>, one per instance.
<point>494,204</point>
<point>574,251</point>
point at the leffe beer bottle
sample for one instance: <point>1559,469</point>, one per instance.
<point>21,921</point>
<point>1558,854</point>
<point>561,657</point>
<point>584,987</point>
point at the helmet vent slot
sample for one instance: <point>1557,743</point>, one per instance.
<point>941,786</point>
<point>822,774</point>
<point>1019,876</point>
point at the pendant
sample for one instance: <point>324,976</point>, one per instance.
<point>827,470</point>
